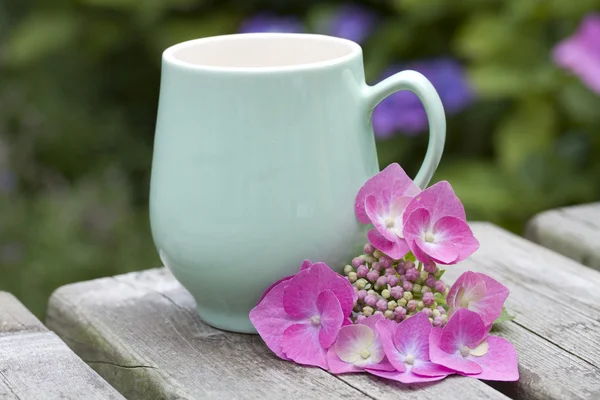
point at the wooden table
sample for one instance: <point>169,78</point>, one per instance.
<point>36,364</point>
<point>140,332</point>
<point>572,231</point>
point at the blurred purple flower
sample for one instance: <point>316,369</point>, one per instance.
<point>403,110</point>
<point>352,22</point>
<point>580,53</point>
<point>269,22</point>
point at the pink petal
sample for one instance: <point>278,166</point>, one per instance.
<point>372,321</point>
<point>490,307</point>
<point>456,231</point>
<point>500,363</point>
<point>331,317</point>
<point>427,368</point>
<point>270,319</point>
<point>395,250</point>
<point>412,336</point>
<point>444,344</point>
<point>442,252</point>
<point>347,321</point>
<point>440,200</point>
<point>468,286</point>
<point>415,227</point>
<point>301,344</point>
<point>300,294</point>
<point>405,377</point>
<point>352,340</point>
<point>386,329</point>
<point>377,213</point>
<point>392,181</point>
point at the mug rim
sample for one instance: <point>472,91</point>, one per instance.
<point>353,47</point>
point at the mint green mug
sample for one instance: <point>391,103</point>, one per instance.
<point>262,142</point>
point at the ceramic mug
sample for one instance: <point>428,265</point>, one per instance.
<point>262,142</point>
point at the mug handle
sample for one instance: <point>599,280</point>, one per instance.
<point>419,85</point>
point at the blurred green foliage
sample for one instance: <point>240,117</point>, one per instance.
<point>79,86</point>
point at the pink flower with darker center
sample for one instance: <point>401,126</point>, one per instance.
<point>358,348</point>
<point>435,228</point>
<point>479,293</point>
<point>381,201</point>
<point>300,318</point>
<point>580,53</point>
<point>406,346</point>
<point>464,345</point>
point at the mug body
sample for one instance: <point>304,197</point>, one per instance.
<point>262,142</point>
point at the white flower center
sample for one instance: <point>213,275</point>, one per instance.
<point>429,238</point>
<point>316,320</point>
<point>409,359</point>
<point>464,351</point>
<point>365,354</point>
<point>389,222</point>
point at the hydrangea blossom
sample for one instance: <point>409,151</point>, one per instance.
<point>479,293</point>
<point>464,346</point>
<point>353,22</point>
<point>300,318</point>
<point>403,111</point>
<point>580,53</point>
<point>406,346</point>
<point>435,228</point>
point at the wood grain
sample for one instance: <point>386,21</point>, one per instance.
<point>141,333</point>
<point>557,304</point>
<point>571,231</point>
<point>36,364</point>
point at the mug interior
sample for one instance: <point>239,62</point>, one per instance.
<point>262,50</point>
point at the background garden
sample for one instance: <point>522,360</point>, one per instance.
<point>79,80</point>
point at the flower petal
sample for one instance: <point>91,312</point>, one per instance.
<point>337,366</point>
<point>442,252</point>
<point>392,180</point>
<point>378,214</point>
<point>301,344</point>
<point>427,368</point>
<point>490,307</point>
<point>500,363</point>
<point>440,200</point>
<point>300,294</point>
<point>331,317</point>
<point>386,329</point>
<point>469,287</point>
<point>306,264</point>
<point>270,319</point>
<point>353,340</point>
<point>405,377</point>
<point>395,250</point>
<point>456,231</point>
<point>412,336</point>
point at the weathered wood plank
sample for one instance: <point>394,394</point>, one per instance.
<point>36,364</point>
<point>557,305</point>
<point>141,333</point>
<point>572,231</point>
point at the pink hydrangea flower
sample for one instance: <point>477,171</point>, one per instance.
<point>464,345</point>
<point>300,318</point>
<point>358,347</point>
<point>435,226</point>
<point>479,293</point>
<point>580,53</point>
<point>406,346</point>
<point>381,201</point>
<point>306,264</point>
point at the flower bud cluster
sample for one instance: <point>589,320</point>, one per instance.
<point>397,289</point>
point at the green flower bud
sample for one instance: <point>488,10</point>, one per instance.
<point>377,254</point>
<point>352,277</point>
<point>436,313</point>
<point>402,302</point>
<point>425,289</point>
<point>361,283</point>
<point>424,275</point>
<point>348,269</point>
<point>367,311</point>
<point>385,294</point>
<point>388,314</point>
<point>431,320</point>
<point>420,305</point>
<point>444,317</point>
<point>392,305</point>
<point>408,296</point>
<point>416,288</point>
<point>370,259</point>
